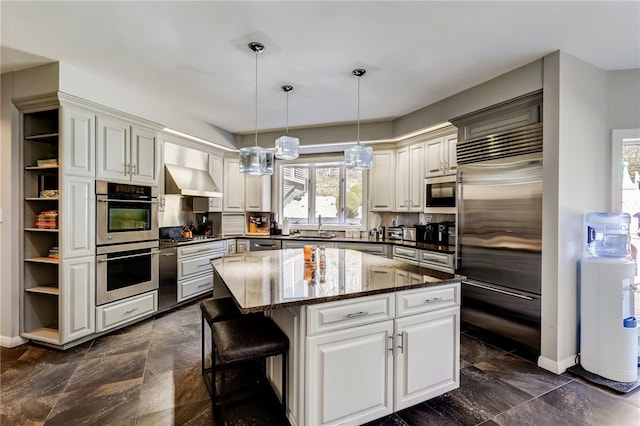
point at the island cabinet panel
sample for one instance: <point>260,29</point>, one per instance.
<point>427,354</point>
<point>349,313</point>
<point>350,373</point>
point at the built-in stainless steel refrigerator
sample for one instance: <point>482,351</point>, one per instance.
<point>500,245</point>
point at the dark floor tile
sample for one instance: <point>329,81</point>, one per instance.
<point>27,410</point>
<point>479,397</point>
<point>113,404</point>
<point>10,355</point>
<point>592,405</point>
<point>522,374</point>
<point>35,380</point>
<point>193,414</point>
<point>34,355</point>
<point>178,335</point>
<point>127,340</point>
<point>94,372</point>
<point>473,350</point>
<point>535,413</point>
<point>172,389</point>
<point>163,358</point>
<point>187,315</point>
<point>392,420</point>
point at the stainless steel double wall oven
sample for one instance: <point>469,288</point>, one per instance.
<point>127,240</point>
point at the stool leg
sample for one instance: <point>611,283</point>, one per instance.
<point>222,395</point>
<point>284,388</point>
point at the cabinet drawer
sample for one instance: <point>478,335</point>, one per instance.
<point>435,260</point>
<point>193,287</point>
<point>200,249</point>
<point>124,311</point>
<point>406,253</point>
<point>332,316</point>
<point>194,266</point>
<point>375,249</point>
<point>420,300</point>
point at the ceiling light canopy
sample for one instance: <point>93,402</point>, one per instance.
<point>358,157</point>
<point>256,160</point>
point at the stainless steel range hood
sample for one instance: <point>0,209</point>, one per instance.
<point>189,182</point>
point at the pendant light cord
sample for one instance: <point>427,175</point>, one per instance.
<point>287,112</point>
<point>358,110</point>
<point>256,111</point>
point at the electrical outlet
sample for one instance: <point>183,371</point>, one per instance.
<point>428,218</point>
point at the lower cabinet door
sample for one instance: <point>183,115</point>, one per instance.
<point>350,375</point>
<point>427,356</point>
<point>78,298</point>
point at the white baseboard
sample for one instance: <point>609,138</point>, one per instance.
<point>12,342</point>
<point>557,367</point>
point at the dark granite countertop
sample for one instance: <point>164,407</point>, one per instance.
<point>319,241</point>
<point>264,280</point>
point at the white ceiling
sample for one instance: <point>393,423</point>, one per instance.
<point>195,55</point>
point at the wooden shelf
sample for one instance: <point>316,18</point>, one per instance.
<point>42,167</point>
<point>43,260</point>
<point>43,289</point>
<point>42,229</point>
<point>43,334</point>
<point>41,199</point>
<point>45,137</point>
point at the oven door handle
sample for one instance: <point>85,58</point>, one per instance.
<point>104,259</point>
<point>106,200</point>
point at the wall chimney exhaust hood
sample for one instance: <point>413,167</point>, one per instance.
<point>189,182</point>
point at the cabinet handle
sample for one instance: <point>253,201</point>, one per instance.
<point>127,169</point>
<point>435,299</point>
<point>104,259</point>
<point>204,264</point>
<point>204,285</point>
<point>391,344</point>
<point>441,165</point>
<point>400,346</point>
<point>357,314</point>
<point>130,311</point>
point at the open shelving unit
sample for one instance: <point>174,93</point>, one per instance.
<point>40,225</point>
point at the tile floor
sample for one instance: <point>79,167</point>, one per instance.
<point>149,374</point>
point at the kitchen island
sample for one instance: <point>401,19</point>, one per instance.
<point>368,335</point>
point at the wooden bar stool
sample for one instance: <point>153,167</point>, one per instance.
<point>213,310</point>
<point>247,339</point>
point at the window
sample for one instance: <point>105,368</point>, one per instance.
<point>327,189</point>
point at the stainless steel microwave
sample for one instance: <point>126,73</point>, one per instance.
<point>440,194</point>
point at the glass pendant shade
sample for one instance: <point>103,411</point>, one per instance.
<point>287,147</point>
<point>358,157</point>
<point>256,160</point>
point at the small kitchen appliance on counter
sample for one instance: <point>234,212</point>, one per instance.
<point>409,233</point>
<point>394,233</point>
<point>258,224</point>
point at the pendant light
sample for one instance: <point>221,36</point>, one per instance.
<point>287,147</point>
<point>358,157</point>
<point>256,160</point>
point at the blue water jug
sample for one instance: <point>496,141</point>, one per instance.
<point>608,234</point>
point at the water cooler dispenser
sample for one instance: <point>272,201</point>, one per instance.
<point>608,329</point>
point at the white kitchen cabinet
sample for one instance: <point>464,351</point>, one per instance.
<point>233,186</point>
<point>125,311</point>
<point>427,356</point>
<point>350,375</point>
<point>242,246</point>
<point>126,152</point>
<point>410,164</point>
<point>77,304</point>
<point>441,156</point>
<point>376,249</point>
<point>195,275</point>
<point>77,217</point>
<point>78,141</point>
<point>257,193</point>
<point>437,260</point>
<point>382,184</point>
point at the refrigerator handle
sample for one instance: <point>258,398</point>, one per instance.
<point>497,290</point>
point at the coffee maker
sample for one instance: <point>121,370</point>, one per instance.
<point>427,234</point>
<point>446,233</point>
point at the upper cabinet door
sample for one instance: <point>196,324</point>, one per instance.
<point>451,159</point>
<point>435,157</point>
<point>403,181</point>
<point>113,149</point>
<point>233,193</point>
<point>382,184</point>
<point>144,156</point>
<point>78,156</point>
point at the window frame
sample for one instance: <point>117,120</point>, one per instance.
<point>322,161</point>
